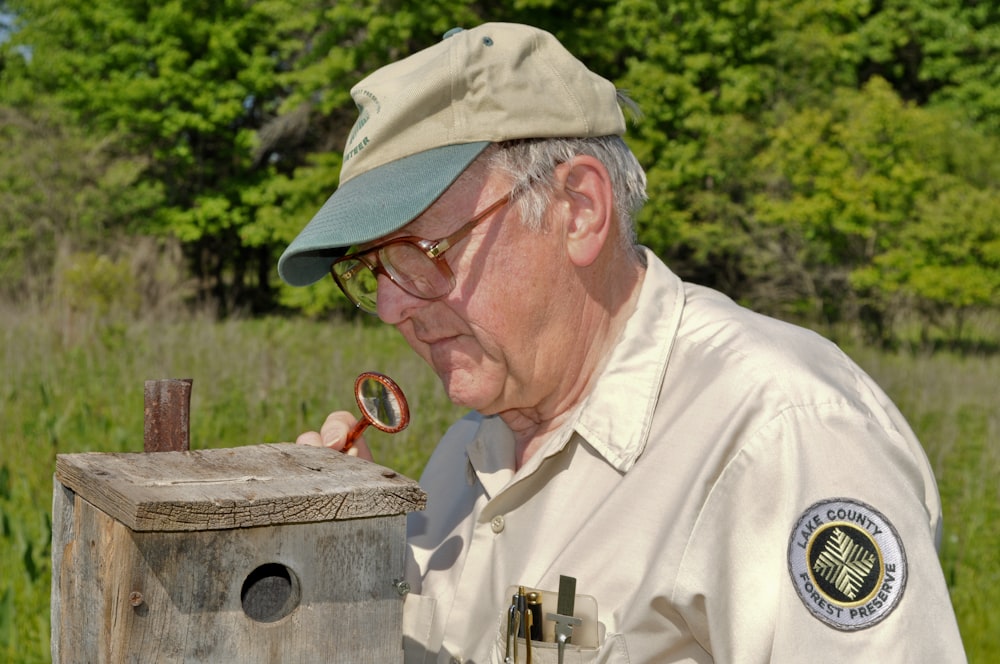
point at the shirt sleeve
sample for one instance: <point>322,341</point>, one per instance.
<point>817,544</point>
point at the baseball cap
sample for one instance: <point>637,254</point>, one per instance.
<point>424,119</point>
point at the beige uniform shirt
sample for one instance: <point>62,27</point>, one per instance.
<point>734,489</point>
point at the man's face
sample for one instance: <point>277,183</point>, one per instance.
<point>488,340</point>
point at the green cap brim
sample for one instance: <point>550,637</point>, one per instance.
<point>373,205</point>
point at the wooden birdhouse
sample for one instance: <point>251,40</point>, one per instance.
<point>267,553</point>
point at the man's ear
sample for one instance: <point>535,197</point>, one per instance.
<point>588,203</point>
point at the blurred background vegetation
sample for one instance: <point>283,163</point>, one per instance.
<point>830,162</point>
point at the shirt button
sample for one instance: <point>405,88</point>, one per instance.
<point>497,524</point>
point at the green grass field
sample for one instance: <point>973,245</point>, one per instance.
<point>73,384</point>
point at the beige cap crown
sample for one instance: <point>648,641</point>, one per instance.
<point>424,119</point>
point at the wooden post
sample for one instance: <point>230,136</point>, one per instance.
<point>168,415</point>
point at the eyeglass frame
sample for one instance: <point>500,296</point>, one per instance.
<point>433,249</point>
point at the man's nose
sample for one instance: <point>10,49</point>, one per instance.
<point>393,303</point>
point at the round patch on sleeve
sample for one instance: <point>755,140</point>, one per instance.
<point>847,563</point>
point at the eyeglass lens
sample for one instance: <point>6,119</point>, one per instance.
<point>416,266</point>
<point>405,263</point>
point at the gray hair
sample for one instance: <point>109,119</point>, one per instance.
<point>531,163</point>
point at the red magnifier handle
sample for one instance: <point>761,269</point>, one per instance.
<point>355,433</point>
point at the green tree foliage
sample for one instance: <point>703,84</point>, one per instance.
<point>937,51</point>
<point>806,157</point>
<point>238,107</point>
<point>61,191</point>
<point>786,171</point>
<point>875,208</point>
<point>185,84</point>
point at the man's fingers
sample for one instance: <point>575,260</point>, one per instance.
<point>309,438</point>
<point>333,434</point>
<point>334,431</point>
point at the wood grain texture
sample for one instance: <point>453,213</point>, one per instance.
<point>240,487</point>
<point>176,596</point>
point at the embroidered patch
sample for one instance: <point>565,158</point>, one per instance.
<point>847,563</point>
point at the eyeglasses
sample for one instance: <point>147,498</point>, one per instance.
<point>412,263</point>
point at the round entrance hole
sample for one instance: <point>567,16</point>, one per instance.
<point>270,593</point>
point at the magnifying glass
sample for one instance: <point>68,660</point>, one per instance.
<point>382,405</point>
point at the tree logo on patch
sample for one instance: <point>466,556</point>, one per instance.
<point>847,563</point>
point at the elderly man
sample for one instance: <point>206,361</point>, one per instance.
<point>721,486</point>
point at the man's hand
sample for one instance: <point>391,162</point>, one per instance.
<point>333,434</point>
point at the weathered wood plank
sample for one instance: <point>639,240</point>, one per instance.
<point>62,536</point>
<point>241,487</point>
<point>178,596</point>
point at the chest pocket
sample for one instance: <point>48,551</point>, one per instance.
<point>418,621</point>
<point>593,646</point>
<point>612,651</point>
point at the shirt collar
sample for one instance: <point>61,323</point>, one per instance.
<point>615,417</point>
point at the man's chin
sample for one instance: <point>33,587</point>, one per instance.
<point>464,392</point>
